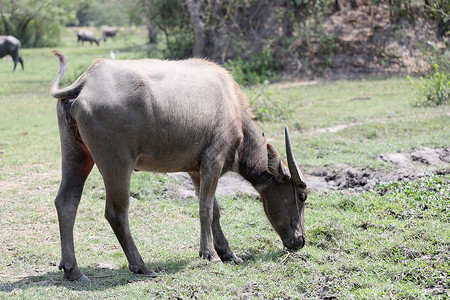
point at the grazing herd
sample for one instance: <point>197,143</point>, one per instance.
<point>9,45</point>
<point>89,36</point>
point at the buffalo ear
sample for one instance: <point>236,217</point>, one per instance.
<point>275,165</point>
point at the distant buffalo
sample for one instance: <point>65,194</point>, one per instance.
<point>109,32</point>
<point>86,35</point>
<point>9,45</point>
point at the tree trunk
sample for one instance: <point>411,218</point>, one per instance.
<point>443,29</point>
<point>152,35</point>
<point>5,24</point>
<point>198,27</point>
<point>345,5</point>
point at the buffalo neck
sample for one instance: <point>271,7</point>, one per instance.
<point>253,155</point>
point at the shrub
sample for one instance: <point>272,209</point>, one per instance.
<point>255,69</point>
<point>437,54</point>
<point>73,74</point>
<point>434,91</point>
<point>267,108</point>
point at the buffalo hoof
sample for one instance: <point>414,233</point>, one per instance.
<point>83,278</point>
<point>143,271</point>
<point>214,258</point>
<point>228,255</point>
<point>236,259</point>
<point>153,274</point>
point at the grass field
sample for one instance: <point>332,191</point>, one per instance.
<point>389,243</point>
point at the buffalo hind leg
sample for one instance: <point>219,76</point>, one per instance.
<point>16,58</point>
<point>77,163</point>
<point>117,187</point>
<point>21,62</point>
<point>220,241</point>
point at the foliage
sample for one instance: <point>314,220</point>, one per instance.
<point>104,12</point>
<point>436,9</point>
<point>266,106</point>
<point>437,54</point>
<point>73,73</point>
<point>36,23</point>
<point>439,10</point>
<point>255,69</point>
<point>434,91</point>
<point>169,18</point>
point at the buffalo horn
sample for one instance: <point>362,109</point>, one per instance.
<point>296,173</point>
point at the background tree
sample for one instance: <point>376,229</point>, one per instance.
<point>103,12</point>
<point>37,23</point>
<point>170,18</point>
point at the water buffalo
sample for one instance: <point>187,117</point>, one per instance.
<point>167,116</point>
<point>9,45</point>
<point>109,32</point>
<point>86,35</point>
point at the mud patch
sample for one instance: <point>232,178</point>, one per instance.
<point>409,167</point>
<point>426,156</point>
<point>231,184</point>
<point>358,180</point>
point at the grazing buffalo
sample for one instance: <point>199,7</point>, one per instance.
<point>109,32</point>
<point>9,45</point>
<point>167,116</point>
<point>86,35</point>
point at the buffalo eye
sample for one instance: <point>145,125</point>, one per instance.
<point>302,197</point>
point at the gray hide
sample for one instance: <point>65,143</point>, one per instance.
<point>167,116</point>
<point>86,35</point>
<point>9,45</point>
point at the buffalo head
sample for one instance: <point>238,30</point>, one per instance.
<point>284,197</point>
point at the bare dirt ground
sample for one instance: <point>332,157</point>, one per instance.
<point>407,167</point>
<point>371,40</point>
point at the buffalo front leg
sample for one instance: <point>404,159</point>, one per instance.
<point>220,241</point>
<point>76,166</point>
<point>208,184</point>
<point>211,235</point>
<point>117,185</point>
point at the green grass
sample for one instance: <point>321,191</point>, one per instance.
<point>391,243</point>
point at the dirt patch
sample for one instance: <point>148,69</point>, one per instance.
<point>359,180</point>
<point>335,128</point>
<point>371,40</point>
<point>408,167</point>
<point>231,184</point>
<point>427,156</point>
<point>29,182</point>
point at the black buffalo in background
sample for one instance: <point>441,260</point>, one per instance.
<point>86,35</point>
<point>9,45</point>
<point>109,32</point>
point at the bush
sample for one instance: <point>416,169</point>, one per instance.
<point>434,91</point>
<point>265,107</point>
<point>437,54</point>
<point>255,69</point>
